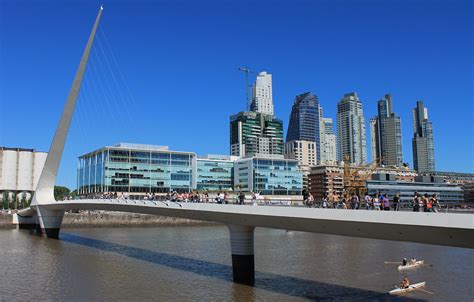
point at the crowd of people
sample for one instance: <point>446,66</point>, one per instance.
<point>376,202</point>
<point>220,197</point>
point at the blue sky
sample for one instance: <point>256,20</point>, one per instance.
<point>165,72</point>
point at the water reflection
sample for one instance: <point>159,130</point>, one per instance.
<point>291,286</point>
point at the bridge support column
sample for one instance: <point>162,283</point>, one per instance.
<point>49,221</point>
<point>243,260</point>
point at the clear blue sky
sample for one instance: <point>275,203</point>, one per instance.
<point>179,63</point>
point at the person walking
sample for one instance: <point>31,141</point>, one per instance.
<point>305,198</point>
<point>416,202</point>
<point>355,201</point>
<point>335,202</point>
<point>241,198</point>
<point>324,202</point>
<point>396,202</point>
<point>368,202</point>
<point>425,201</point>
<point>434,203</point>
<point>376,202</point>
<point>386,203</point>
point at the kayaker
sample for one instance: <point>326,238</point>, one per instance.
<point>405,261</point>
<point>405,283</point>
<point>413,260</point>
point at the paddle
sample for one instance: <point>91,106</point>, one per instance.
<point>424,290</point>
<point>392,262</point>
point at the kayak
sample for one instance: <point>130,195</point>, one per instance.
<point>398,290</point>
<point>410,265</point>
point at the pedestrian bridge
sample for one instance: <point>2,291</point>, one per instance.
<point>45,214</point>
<point>448,229</point>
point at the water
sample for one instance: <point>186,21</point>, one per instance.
<point>193,264</point>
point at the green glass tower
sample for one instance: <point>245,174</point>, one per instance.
<point>254,133</point>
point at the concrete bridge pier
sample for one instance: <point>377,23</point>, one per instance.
<point>243,259</point>
<point>49,221</point>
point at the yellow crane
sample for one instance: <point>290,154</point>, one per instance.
<point>354,181</point>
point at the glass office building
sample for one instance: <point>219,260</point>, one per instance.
<point>215,173</point>
<point>253,133</point>
<point>269,176</point>
<point>136,169</point>
<point>305,120</point>
<point>386,184</point>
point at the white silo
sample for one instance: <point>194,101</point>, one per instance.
<point>25,171</point>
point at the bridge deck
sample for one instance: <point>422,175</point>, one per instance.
<point>431,228</point>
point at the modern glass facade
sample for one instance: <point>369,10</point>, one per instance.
<point>268,176</point>
<point>305,121</point>
<point>136,169</point>
<point>214,174</point>
<point>253,133</point>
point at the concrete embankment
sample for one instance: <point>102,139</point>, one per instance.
<point>115,219</point>
<point>110,219</point>
<point>6,221</point>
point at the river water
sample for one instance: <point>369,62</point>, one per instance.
<point>194,264</point>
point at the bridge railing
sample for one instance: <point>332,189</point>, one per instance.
<point>262,201</point>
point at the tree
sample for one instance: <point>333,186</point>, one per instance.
<point>61,192</point>
<point>23,201</point>
<point>5,204</point>
<point>74,194</point>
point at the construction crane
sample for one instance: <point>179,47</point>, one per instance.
<point>354,182</point>
<point>247,71</point>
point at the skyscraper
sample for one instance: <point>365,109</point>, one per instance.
<point>253,133</point>
<point>305,121</point>
<point>423,145</point>
<point>386,135</point>
<point>328,142</point>
<point>351,130</point>
<point>262,97</point>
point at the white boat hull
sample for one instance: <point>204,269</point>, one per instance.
<point>399,291</point>
<point>410,266</point>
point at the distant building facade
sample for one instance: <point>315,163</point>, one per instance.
<point>386,184</point>
<point>215,173</point>
<point>253,133</point>
<point>326,180</point>
<point>20,170</point>
<point>422,142</point>
<point>465,180</point>
<point>386,135</point>
<point>136,169</point>
<point>262,95</point>
<point>329,179</point>
<point>328,143</point>
<point>351,130</point>
<point>305,153</point>
<point>269,176</point>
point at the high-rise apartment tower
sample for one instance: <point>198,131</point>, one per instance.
<point>262,97</point>
<point>423,144</point>
<point>351,130</point>
<point>386,135</point>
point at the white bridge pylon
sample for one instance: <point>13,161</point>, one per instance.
<point>45,213</point>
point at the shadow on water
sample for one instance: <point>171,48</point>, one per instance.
<point>291,286</point>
